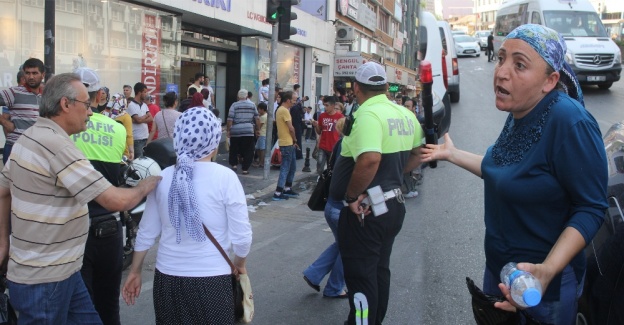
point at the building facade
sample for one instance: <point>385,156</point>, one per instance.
<point>485,10</point>
<point>375,30</point>
<point>163,43</point>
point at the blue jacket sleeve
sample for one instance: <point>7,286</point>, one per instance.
<point>581,168</point>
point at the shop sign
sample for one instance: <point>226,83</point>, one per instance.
<point>343,6</point>
<point>399,75</point>
<point>352,11</point>
<point>398,41</point>
<point>150,61</point>
<point>314,8</point>
<point>367,17</point>
<point>225,5</point>
<point>345,66</point>
<point>398,11</point>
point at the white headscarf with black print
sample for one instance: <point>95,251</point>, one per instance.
<point>197,133</point>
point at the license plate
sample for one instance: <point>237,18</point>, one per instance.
<point>470,51</point>
<point>596,78</point>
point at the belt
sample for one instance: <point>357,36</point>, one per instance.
<point>395,193</point>
<point>114,214</point>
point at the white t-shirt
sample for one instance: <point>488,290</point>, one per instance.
<point>264,94</point>
<point>222,209</point>
<point>139,130</point>
<point>210,93</point>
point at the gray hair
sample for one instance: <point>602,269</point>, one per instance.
<point>55,89</point>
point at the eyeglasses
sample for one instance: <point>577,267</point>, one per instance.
<point>86,104</point>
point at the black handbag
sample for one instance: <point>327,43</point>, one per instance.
<point>486,314</point>
<point>319,195</point>
<point>7,313</point>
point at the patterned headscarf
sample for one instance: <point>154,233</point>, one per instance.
<point>551,46</point>
<point>196,134</point>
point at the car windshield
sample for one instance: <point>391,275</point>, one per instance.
<point>463,39</point>
<point>481,34</point>
<point>575,23</point>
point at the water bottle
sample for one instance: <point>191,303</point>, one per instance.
<point>525,289</point>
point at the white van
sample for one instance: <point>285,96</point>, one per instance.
<point>593,56</point>
<point>430,49</point>
<point>452,65</point>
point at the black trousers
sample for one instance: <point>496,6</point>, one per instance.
<point>243,146</point>
<point>101,273</point>
<point>298,135</point>
<point>365,255</point>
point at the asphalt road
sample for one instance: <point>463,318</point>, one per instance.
<point>439,246</point>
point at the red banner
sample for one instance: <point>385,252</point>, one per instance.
<point>150,62</point>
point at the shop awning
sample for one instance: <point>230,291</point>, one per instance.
<point>612,21</point>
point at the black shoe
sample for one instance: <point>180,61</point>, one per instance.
<point>290,193</point>
<point>281,197</point>
<point>312,285</point>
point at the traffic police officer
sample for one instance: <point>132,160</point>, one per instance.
<point>103,143</point>
<point>379,146</point>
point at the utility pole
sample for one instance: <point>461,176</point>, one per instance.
<point>49,22</point>
<point>270,112</point>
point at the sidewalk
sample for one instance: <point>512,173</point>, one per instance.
<point>262,189</point>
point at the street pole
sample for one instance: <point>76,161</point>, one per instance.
<point>426,78</point>
<point>271,117</point>
<point>49,22</point>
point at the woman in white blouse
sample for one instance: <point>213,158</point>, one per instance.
<point>192,282</point>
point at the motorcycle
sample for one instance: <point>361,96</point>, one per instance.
<point>157,155</point>
<point>603,292</point>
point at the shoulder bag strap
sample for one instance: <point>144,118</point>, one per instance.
<point>162,114</point>
<point>225,256</point>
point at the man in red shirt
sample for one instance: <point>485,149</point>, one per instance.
<point>153,109</point>
<point>326,127</point>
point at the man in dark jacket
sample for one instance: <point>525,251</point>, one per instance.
<point>490,46</point>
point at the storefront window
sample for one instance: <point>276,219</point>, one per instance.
<point>124,43</point>
<point>256,63</point>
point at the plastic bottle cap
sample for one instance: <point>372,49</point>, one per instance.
<point>532,297</point>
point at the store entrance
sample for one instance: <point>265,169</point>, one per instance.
<point>217,59</point>
<point>216,78</point>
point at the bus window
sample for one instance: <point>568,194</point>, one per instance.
<point>506,23</point>
<point>575,24</point>
<point>535,18</point>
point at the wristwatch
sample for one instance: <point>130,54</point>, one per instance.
<point>349,199</point>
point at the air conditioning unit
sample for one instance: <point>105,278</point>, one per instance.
<point>345,34</point>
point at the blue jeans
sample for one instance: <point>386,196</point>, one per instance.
<point>138,148</point>
<point>287,168</point>
<point>62,302</point>
<point>551,312</point>
<point>329,260</point>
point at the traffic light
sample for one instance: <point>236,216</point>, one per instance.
<point>285,30</point>
<point>274,11</point>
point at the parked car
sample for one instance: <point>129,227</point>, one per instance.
<point>430,48</point>
<point>448,44</point>
<point>466,45</point>
<point>458,32</point>
<point>603,292</point>
<point>481,36</point>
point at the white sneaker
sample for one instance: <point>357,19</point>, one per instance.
<point>411,194</point>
